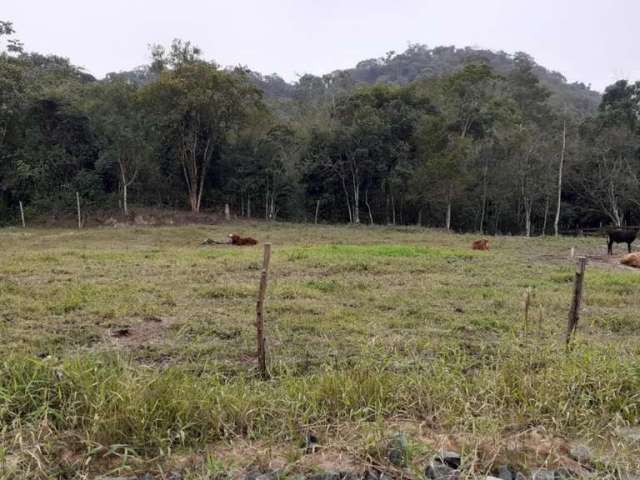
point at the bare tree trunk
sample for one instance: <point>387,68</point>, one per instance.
<point>24,224</point>
<point>193,202</point>
<point>420,217</point>
<point>356,203</point>
<point>386,210</point>
<point>248,206</point>
<point>125,205</point>
<point>484,197</point>
<point>528,205</point>
<point>79,211</point>
<point>393,210</point>
<point>448,216</point>
<point>315,220</point>
<point>366,201</point>
<point>556,222</point>
<point>546,215</point>
<point>346,195</point>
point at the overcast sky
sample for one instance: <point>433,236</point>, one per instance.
<point>593,41</point>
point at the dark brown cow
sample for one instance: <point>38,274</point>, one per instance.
<point>480,244</point>
<point>242,241</point>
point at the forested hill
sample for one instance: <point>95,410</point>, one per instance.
<point>471,140</point>
<point>419,62</point>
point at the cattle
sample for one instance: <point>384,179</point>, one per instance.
<point>631,260</point>
<point>621,235</point>
<point>242,241</point>
<point>480,245</point>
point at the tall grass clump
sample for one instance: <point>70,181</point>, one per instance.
<point>111,401</point>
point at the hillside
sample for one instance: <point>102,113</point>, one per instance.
<point>419,61</point>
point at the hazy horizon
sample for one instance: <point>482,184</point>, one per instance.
<point>584,40</point>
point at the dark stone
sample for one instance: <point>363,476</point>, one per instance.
<point>450,459</point>
<point>310,444</point>
<point>440,471</point>
<point>397,450</point>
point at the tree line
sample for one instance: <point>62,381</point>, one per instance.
<point>475,148</point>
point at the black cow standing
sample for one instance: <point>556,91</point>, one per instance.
<point>620,235</point>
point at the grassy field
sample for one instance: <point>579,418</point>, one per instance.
<point>133,350</point>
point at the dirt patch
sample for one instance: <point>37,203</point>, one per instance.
<point>148,331</point>
<point>609,261</point>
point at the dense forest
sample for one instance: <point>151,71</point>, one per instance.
<point>470,140</point>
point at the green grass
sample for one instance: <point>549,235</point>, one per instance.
<point>369,330</point>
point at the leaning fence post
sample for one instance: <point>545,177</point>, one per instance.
<point>262,345</point>
<point>79,211</point>
<point>24,225</point>
<point>576,301</point>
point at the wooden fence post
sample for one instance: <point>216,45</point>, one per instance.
<point>262,344</point>
<point>79,211</point>
<point>576,301</point>
<point>24,225</point>
<point>527,302</point>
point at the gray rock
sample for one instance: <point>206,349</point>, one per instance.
<point>116,478</point>
<point>543,474</point>
<point>450,459</point>
<point>266,476</point>
<point>257,475</point>
<point>371,474</point>
<point>274,475</point>
<point>397,450</point>
<point>505,473</point>
<point>580,453</point>
<point>440,471</point>
<point>631,434</point>
<point>329,475</point>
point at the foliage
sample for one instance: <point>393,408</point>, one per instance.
<point>460,138</point>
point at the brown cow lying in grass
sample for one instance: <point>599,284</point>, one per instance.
<point>241,241</point>
<point>631,260</point>
<point>480,244</point>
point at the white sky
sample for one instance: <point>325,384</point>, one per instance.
<point>593,41</point>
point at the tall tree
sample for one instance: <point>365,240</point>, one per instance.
<point>197,108</point>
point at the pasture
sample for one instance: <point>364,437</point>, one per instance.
<point>133,350</point>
